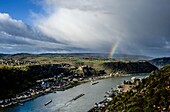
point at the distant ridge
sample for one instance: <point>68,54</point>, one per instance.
<point>126,57</point>
<point>130,57</point>
<point>2,55</point>
<point>160,62</point>
<point>21,54</point>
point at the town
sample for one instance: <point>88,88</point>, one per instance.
<point>59,82</point>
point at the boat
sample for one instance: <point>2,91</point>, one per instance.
<point>78,96</point>
<point>25,100</point>
<point>75,98</point>
<point>48,103</point>
<point>93,83</point>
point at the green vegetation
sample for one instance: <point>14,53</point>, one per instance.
<point>129,67</point>
<point>99,63</point>
<point>152,95</point>
<point>20,72</point>
<point>14,80</point>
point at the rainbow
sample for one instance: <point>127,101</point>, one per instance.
<point>113,49</point>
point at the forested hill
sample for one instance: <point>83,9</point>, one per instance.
<point>129,67</point>
<point>14,80</point>
<point>152,95</point>
<point>160,62</point>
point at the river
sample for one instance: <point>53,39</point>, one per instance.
<point>93,94</point>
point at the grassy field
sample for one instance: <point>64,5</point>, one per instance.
<point>75,61</point>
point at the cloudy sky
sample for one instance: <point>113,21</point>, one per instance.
<point>39,26</point>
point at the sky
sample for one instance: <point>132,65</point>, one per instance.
<point>140,27</point>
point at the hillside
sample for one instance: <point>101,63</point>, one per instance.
<point>17,79</point>
<point>152,95</point>
<point>160,62</point>
<point>129,67</point>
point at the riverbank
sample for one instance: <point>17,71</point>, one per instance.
<point>126,86</point>
<point>32,94</point>
<point>94,78</point>
<point>20,100</point>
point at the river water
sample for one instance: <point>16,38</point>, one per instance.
<point>60,99</point>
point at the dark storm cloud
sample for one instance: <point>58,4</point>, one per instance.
<point>143,26</point>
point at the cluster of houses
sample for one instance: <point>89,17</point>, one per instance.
<point>14,62</point>
<point>108,97</point>
<point>42,87</point>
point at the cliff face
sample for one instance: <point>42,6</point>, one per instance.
<point>152,95</point>
<point>130,67</point>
